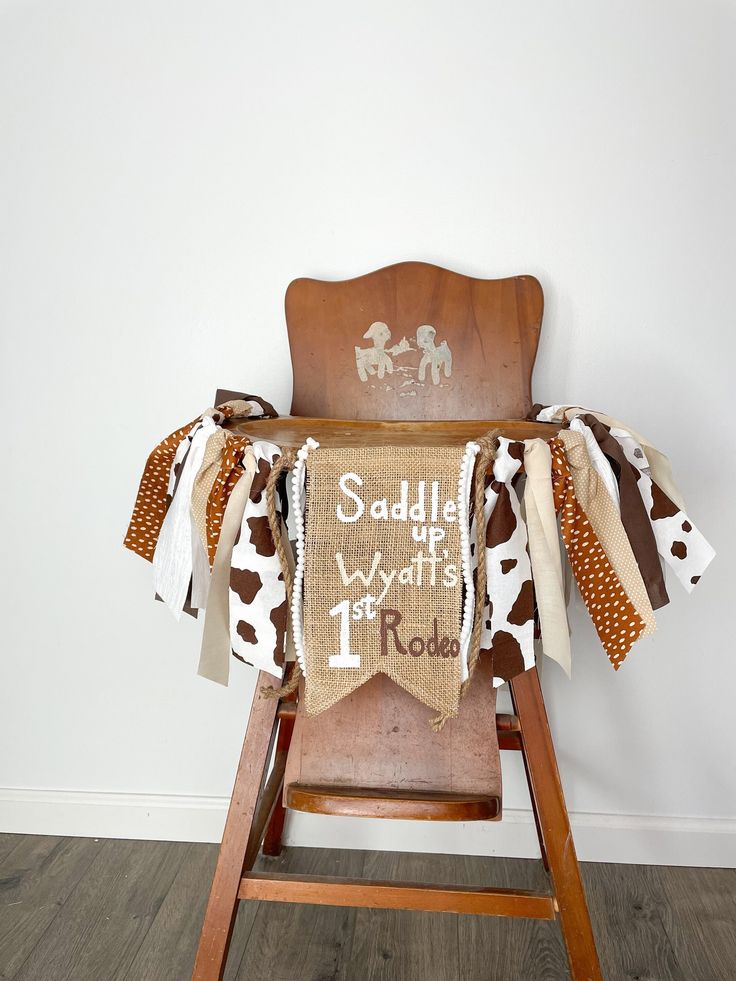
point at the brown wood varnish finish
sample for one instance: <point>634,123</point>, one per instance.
<point>222,906</point>
<point>269,798</point>
<point>396,804</point>
<point>491,326</point>
<point>329,891</point>
<point>275,829</point>
<point>392,748</point>
<point>292,431</point>
<point>553,826</point>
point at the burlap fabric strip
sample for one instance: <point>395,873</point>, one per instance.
<point>384,581</point>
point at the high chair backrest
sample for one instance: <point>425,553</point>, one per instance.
<point>413,341</point>
<point>407,342</point>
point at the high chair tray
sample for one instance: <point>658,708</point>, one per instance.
<point>292,431</point>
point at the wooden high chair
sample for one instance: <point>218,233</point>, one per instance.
<point>423,345</point>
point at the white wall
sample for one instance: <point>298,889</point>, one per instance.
<point>167,168</point>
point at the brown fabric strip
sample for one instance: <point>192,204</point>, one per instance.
<point>633,513</point>
<point>225,395</point>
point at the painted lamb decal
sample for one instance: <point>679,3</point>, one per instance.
<point>435,356</point>
<point>378,360</point>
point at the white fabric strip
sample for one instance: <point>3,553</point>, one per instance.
<point>681,545</point>
<point>598,459</point>
<point>172,560</point>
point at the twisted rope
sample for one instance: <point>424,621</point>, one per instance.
<point>486,455</point>
<point>285,462</point>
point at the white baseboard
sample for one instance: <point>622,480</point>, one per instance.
<point>626,838</point>
<point>99,814</point>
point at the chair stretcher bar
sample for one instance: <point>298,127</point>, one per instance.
<point>331,891</point>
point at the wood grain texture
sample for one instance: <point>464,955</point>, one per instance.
<point>103,922</point>
<point>222,905</point>
<point>652,923</point>
<point>36,879</point>
<point>302,943</point>
<point>513,949</point>
<point>553,825</point>
<point>166,953</point>
<point>697,910</point>
<point>292,431</point>
<point>398,805</point>
<point>491,328</point>
<point>378,894</point>
<point>7,843</point>
<point>392,747</point>
<point>635,943</point>
<point>275,829</point>
<point>399,944</point>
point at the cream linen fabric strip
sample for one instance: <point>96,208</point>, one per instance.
<point>606,523</point>
<point>214,659</point>
<point>205,480</point>
<point>200,572</point>
<point>659,464</point>
<point>544,550</point>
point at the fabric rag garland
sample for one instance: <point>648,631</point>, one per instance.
<point>599,489</point>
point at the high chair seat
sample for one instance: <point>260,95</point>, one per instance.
<point>397,804</point>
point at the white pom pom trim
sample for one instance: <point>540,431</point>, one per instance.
<point>463,512</point>
<point>298,494</point>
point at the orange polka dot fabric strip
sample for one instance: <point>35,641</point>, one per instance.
<point>616,621</point>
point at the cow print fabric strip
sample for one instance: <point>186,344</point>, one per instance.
<point>508,623</point>
<point>258,607</point>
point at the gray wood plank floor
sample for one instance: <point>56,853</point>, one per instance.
<point>76,909</point>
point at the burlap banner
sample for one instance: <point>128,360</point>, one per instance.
<point>384,577</point>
